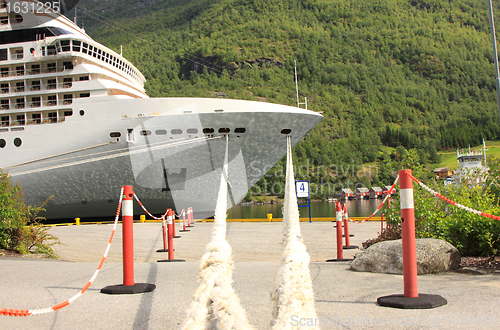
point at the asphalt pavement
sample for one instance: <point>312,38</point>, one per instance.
<point>344,299</point>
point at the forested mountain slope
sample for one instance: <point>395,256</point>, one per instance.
<point>416,73</point>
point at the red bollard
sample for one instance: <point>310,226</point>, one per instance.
<point>173,225</point>
<point>338,221</point>
<point>411,299</point>
<point>346,231</point>
<point>408,233</point>
<point>129,286</point>
<point>190,216</point>
<point>164,232</point>
<point>170,239</point>
<point>183,221</point>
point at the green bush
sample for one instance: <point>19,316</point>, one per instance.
<point>20,228</point>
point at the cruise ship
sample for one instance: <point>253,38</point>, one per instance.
<point>77,124</point>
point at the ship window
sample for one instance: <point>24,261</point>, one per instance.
<point>115,134</point>
<point>192,131</point>
<point>17,142</point>
<point>51,84</point>
<point>20,120</point>
<point>161,132</point>
<point>65,45</point>
<point>35,68</point>
<point>145,132</point>
<point>4,104</point>
<point>84,48</point>
<point>2,143</point>
<point>4,72</point>
<point>240,130</point>
<point>224,130</point>
<point>16,53</point>
<point>35,85</point>
<point>67,82</point>
<point>286,131</point>
<point>76,45</point>
<point>20,103</point>
<point>218,110</point>
<point>53,117</point>
<point>20,70</point>
<point>51,50</point>
<point>68,65</point>
<point>3,54</point>
<point>35,101</point>
<point>51,67</point>
<point>208,130</point>
<point>5,120</point>
<point>84,94</point>
<point>36,118</point>
<point>20,86</point>
<point>176,131</point>
<point>4,88</point>
<point>130,135</point>
<point>82,112</point>
<point>3,4</point>
<point>4,19</point>
<point>68,113</point>
<point>82,78</point>
<point>16,18</point>
<point>68,99</point>
<point>51,100</point>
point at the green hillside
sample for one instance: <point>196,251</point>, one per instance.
<point>387,73</point>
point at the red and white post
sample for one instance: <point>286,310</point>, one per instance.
<point>408,233</point>
<point>164,232</point>
<point>183,221</point>
<point>170,240</point>
<point>346,230</point>
<point>338,223</point>
<point>129,286</point>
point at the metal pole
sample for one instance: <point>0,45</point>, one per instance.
<point>495,54</point>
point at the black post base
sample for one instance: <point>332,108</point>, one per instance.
<point>335,260</point>
<point>163,250</point>
<point>128,289</point>
<point>423,301</point>
<point>181,231</point>
<point>350,247</point>
<point>171,260</point>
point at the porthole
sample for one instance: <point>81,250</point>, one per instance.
<point>115,134</point>
<point>2,143</point>
<point>192,130</point>
<point>145,132</point>
<point>224,130</point>
<point>161,132</point>
<point>176,131</point>
<point>240,130</point>
<point>18,142</point>
<point>286,131</point>
<point>82,112</point>
<point>208,130</point>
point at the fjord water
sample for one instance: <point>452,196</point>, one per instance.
<point>355,208</point>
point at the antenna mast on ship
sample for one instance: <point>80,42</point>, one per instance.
<point>297,87</point>
<point>495,54</point>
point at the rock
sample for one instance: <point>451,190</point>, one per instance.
<point>433,256</point>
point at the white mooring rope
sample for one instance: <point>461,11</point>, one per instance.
<point>293,297</point>
<point>215,305</point>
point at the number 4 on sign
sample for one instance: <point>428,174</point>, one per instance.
<point>302,188</point>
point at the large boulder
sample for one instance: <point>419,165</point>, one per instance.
<point>433,256</point>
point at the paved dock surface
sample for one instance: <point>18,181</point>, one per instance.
<point>344,299</point>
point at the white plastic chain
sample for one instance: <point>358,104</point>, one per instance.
<point>16,312</point>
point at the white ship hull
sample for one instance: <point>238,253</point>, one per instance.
<point>83,167</point>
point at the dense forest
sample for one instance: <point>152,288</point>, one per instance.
<point>413,74</point>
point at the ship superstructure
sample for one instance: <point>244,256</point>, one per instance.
<point>76,124</point>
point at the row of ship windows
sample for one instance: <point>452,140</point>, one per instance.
<point>13,18</point>
<point>35,68</point>
<point>17,143</point>
<point>34,118</point>
<point>39,101</point>
<point>177,131</point>
<point>38,84</point>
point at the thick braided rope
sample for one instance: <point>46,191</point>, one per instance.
<point>215,301</point>
<point>381,204</point>
<point>293,295</point>
<point>463,207</point>
<point>16,312</point>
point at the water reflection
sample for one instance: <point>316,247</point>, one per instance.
<point>355,208</point>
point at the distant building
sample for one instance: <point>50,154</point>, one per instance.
<point>442,173</point>
<point>375,192</point>
<point>346,194</point>
<point>362,193</point>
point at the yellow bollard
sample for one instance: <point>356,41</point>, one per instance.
<point>77,221</point>
<point>270,217</point>
<point>143,218</point>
